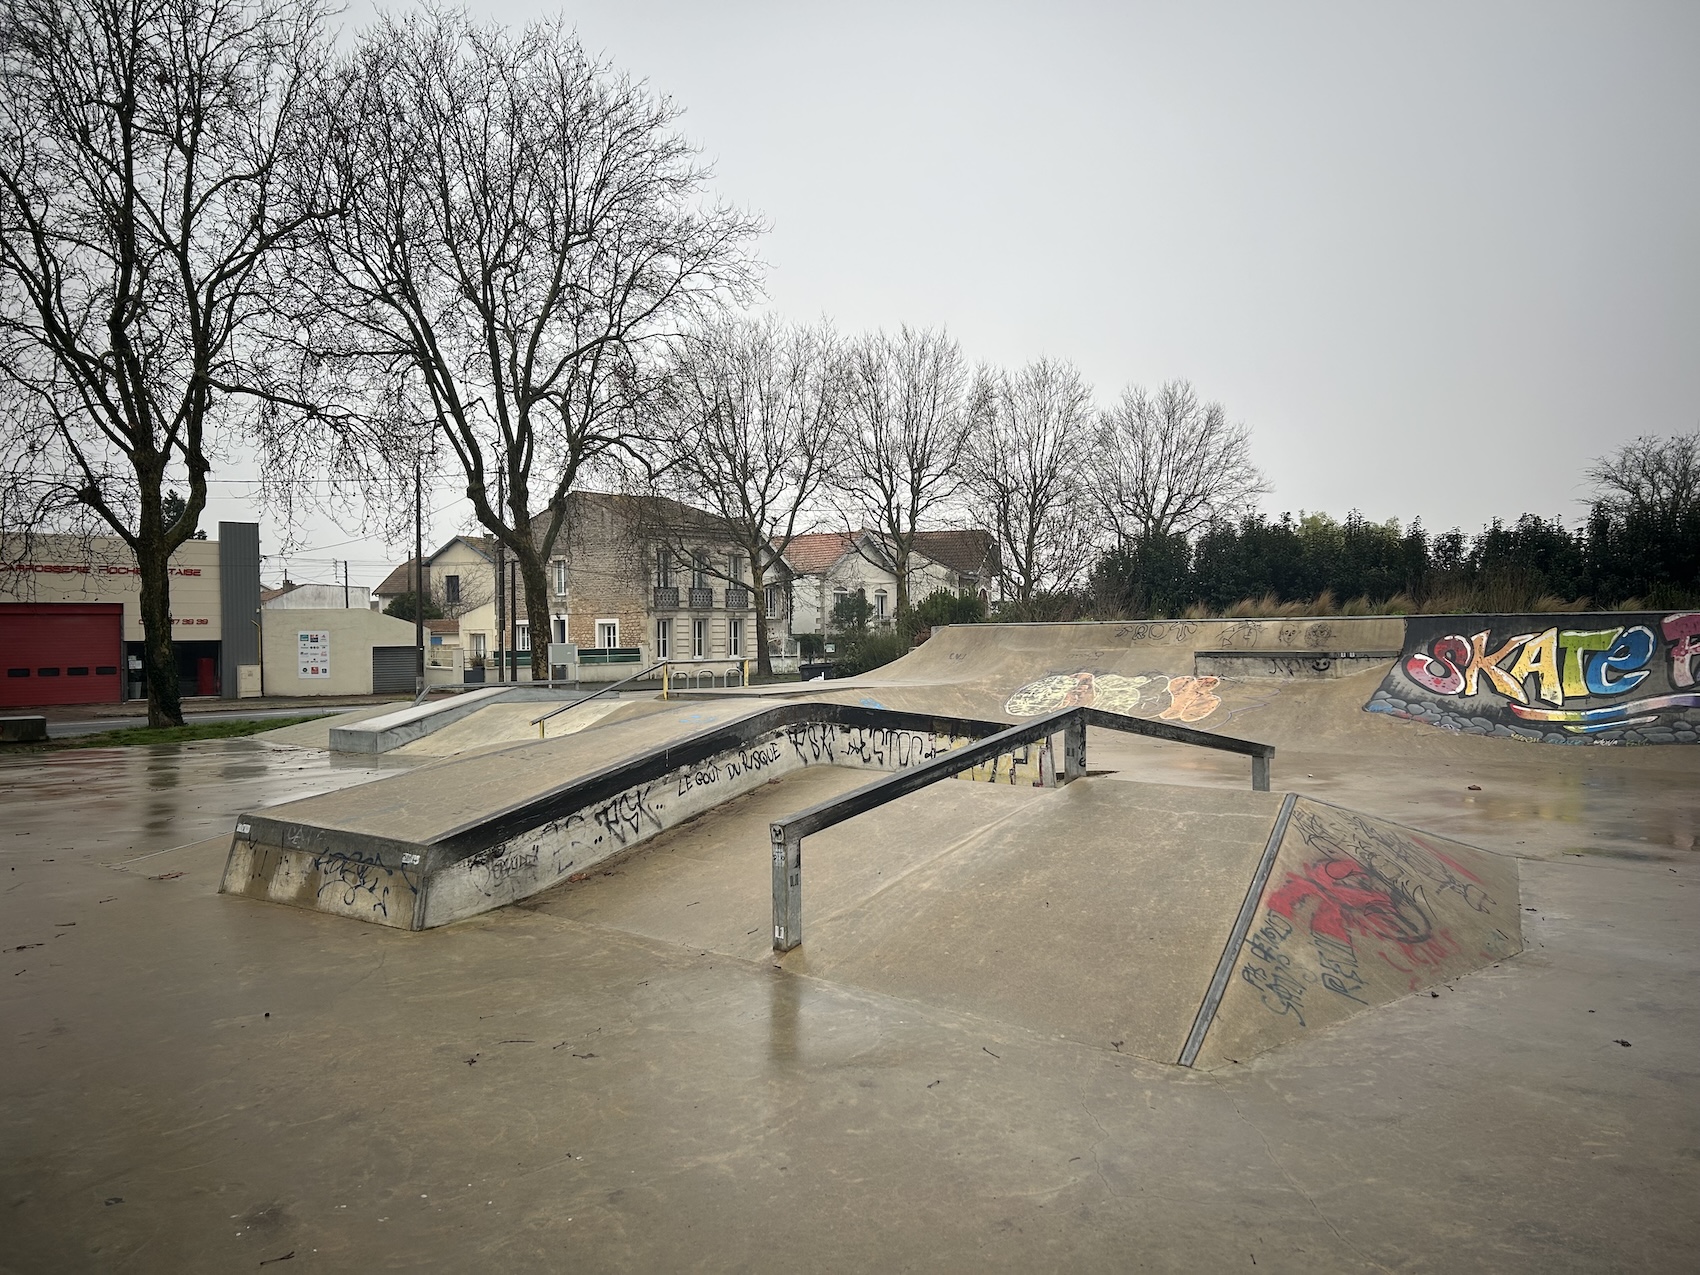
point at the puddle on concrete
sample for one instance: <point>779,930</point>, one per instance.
<point>154,797</point>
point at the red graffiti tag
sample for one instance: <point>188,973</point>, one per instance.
<point>1340,897</point>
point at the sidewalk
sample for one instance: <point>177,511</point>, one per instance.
<point>201,705</point>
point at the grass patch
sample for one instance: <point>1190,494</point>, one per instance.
<point>131,735</point>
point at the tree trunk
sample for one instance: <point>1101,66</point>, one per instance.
<point>536,583</point>
<point>159,661</point>
<point>758,591</point>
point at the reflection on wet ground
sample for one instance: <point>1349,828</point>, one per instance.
<point>1535,802</point>
<point>150,798</point>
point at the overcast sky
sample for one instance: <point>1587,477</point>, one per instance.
<point>1436,256</point>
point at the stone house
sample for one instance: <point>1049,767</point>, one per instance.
<point>633,580</point>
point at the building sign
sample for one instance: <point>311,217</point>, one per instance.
<point>314,657</point>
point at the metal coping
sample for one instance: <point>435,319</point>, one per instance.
<point>1297,654</point>
<point>1236,937</point>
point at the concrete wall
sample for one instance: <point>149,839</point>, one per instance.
<point>353,634</point>
<point>322,597</point>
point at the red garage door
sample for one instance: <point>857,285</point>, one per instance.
<point>63,653</point>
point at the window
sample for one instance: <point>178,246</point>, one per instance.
<point>699,638</point>
<point>735,566</point>
<point>663,631</point>
<point>607,633</point>
<point>560,629</point>
<point>479,647</point>
<point>560,566</point>
<point>840,594</point>
<point>699,570</point>
<point>773,600</point>
<point>522,637</point>
<point>663,569</point>
<point>451,590</point>
<point>879,604</point>
<point>734,638</point>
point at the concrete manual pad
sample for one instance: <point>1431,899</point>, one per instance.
<point>428,801</point>
<point>1358,912</point>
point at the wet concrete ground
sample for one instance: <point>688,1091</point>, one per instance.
<point>191,1082</point>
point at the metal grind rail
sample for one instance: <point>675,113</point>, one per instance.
<point>542,730</point>
<point>787,834</point>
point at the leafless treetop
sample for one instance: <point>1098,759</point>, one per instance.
<point>1026,464</point>
<point>1169,464</point>
<point>1657,476</point>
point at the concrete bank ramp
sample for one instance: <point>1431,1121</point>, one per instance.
<point>1355,912</point>
<point>452,839</point>
<point>1129,916</point>
<point>1200,673</point>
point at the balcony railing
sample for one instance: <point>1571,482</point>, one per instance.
<point>666,597</point>
<point>609,654</point>
<point>702,599</point>
<point>737,599</point>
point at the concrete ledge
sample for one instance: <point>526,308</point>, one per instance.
<point>22,730</point>
<point>392,730</point>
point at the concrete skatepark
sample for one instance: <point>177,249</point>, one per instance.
<point>1424,947</point>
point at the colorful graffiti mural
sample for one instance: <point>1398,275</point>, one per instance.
<point>1173,699</point>
<point>1597,678</point>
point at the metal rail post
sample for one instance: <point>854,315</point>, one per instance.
<point>1259,774</point>
<point>1074,749</point>
<point>787,889</point>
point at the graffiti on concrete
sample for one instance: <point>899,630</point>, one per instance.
<point>357,879</point>
<point>1362,902</point>
<point>1173,699</point>
<point>1157,631</point>
<point>1600,678</point>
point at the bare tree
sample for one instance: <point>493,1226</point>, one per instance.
<point>1656,477</point>
<point>140,142</point>
<point>906,408</point>
<point>1170,465</point>
<point>523,231</point>
<point>1025,464</point>
<point>754,437</point>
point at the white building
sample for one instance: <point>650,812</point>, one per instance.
<point>827,567</point>
<point>316,597</point>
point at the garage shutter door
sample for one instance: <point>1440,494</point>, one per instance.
<point>60,653</point>
<point>394,669</point>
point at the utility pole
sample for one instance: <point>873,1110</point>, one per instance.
<point>418,582</point>
<point>345,602</point>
